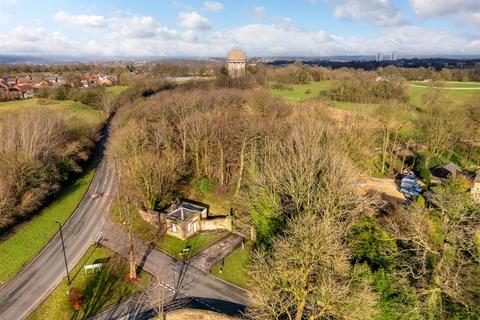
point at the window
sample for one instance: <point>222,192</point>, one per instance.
<point>174,227</point>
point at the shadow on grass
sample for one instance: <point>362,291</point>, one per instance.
<point>104,288</point>
<point>86,260</point>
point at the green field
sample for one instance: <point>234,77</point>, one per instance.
<point>448,84</point>
<point>234,267</point>
<point>99,290</point>
<point>27,242</point>
<point>74,110</point>
<point>458,96</point>
<point>116,89</point>
<point>168,244</point>
<point>298,92</point>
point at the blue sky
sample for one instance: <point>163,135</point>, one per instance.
<point>263,28</point>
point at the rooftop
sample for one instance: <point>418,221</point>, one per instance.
<point>183,210</point>
<point>181,213</point>
<point>237,54</point>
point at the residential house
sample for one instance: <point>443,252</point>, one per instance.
<point>182,219</point>
<point>4,91</point>
<point>41,84</point>
<point>27,90</point>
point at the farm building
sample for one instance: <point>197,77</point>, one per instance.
<point>446,170</point>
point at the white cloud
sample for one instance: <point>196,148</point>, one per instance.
<point>83,21</point>
<point>312,1</point>
<point>259,13</point>
<point>194,21</point>
<point>475,18</point>
<point>439,8</point>
<point>145,36</point>
<point>462,11</point>
<point>213,6</point>
<point>379,12</point>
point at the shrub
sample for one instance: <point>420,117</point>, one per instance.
<point>76,299</point>
<point>205,185</point>
<point>370,243</point>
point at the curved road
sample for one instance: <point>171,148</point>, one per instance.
<point>31,286</point>
<point>37,279</point>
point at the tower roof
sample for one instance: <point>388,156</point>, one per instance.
<point>237,54</point>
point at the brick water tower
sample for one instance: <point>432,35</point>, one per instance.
<point>236,63</point>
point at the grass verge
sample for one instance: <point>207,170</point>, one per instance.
<point>234,267</point>
<point>30,239</point>
<point>99,290</point>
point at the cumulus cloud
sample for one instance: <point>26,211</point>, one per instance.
<point>380,12</point>
<point>212,6</point>
<point>259,12</point>
<point>194,21</point>
<point>145,36</point>
<point>83,21</point>
<point>440,8</point>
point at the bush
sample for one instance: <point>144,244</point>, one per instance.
<point>368,90</point>
<point>76,299</point>
<point>371,244</point>
<point>206,185</point>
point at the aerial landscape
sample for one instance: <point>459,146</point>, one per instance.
<point>222,160</point>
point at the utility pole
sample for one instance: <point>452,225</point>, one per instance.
<point>64,254</point>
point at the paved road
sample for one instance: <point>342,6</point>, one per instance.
<point>23,293</point>
<point>189,285</point>
<point>183,283</point>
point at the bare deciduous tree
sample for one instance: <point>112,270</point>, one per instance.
<point>308,276</point>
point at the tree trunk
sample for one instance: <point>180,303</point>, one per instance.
<point>242,165</point>
<point>131,256</point>
<point>197,164</point>
<point>384,149</point>
<point>184,144</point>
<point>300,309</point>
<point>222,166</point>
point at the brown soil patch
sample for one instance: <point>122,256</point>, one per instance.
<point>386,187</point>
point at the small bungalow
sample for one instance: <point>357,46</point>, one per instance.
<point>446,170</point>
<point>184,219</point>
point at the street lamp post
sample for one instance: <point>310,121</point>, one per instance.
<point>64,254</point>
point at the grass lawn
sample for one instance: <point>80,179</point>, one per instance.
<point>458,96</point>
<point>298,91</point>
<point>449,84</point>
<point>116,89</point>
<point>234,268</point>
<point>197,243</point>
<point>100,290</point>
<point>27,242</point>
<point>166,243</point>
<point>72,109</point>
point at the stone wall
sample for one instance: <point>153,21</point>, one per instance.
<point>149,216</point>
<point>224,223</point>
<point>219,223</point>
